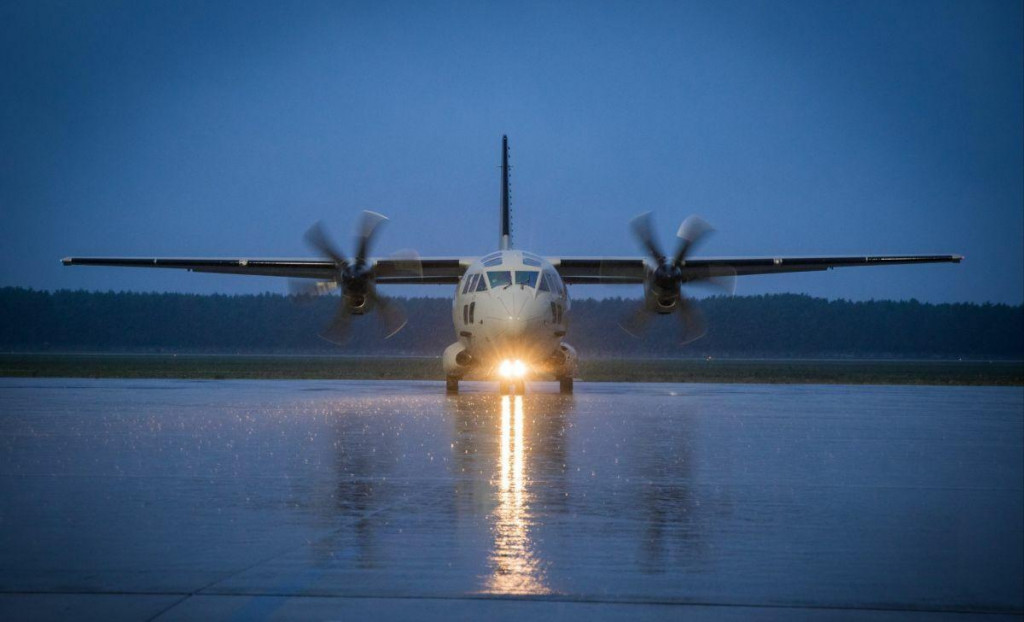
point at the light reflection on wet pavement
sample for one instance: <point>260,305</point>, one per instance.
<point>768,498</point>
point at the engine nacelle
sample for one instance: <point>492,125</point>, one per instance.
<point>456,360</point>
<point>356,304</point>
<point>658,298</point>
<point>358,296</point>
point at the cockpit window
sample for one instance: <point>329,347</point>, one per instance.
<point>530,261</point>
<point>499,278</point>
<point>469,283</point>
<point>481,284</point>
<point>554,282</point>
<point>493,261</point>
<point>544,283</point>
<point>527,277</point>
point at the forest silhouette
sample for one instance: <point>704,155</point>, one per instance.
<point>783,325</point>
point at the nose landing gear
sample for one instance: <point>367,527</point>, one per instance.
<point>512,387</point>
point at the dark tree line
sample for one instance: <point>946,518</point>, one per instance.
<point>784,325</point>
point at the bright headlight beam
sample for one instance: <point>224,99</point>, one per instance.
<point>512,369</point>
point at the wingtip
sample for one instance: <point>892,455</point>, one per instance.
<point>66,261</point>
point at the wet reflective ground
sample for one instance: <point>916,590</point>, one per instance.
<point>312,499</point>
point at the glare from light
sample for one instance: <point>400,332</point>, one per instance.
<point>512,369</point>
<point>516,566</point>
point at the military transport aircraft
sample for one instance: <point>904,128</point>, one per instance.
<point>511,307</point>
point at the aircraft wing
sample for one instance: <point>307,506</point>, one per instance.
<point>448,270</point>
<point>607,271</point>
<point>438,270</point>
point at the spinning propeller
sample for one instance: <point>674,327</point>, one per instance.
<point>356,279</point>
<point>663,293</point>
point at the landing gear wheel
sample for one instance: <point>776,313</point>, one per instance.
<point>513,387</point>
<point>565,385</point>
<point>451,385</point>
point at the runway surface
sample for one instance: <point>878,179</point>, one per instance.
<point>169,500</point>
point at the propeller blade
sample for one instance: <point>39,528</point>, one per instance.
<point>408,262</point>
<point>305,289</point>
<point>692,320</point>
<point>367,229</point>
<point>390,314</point>
<point>725,284</point>
<point>338,330</point>
<point>693,229</point>
<point>635,323</point>
<point>318,238</point>
<point>644,232</point>
<point>722,279</point>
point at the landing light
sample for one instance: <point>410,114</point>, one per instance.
<point>512,369</point>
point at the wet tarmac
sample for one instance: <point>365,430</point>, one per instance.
<point>143,499</point>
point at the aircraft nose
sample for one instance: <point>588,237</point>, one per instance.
<point>516,326</point>
<point>522,312</point>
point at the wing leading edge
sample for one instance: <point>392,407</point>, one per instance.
<point>437,270</point>
<point>597,270</point>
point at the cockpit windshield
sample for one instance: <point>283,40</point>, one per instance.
<point>502,278</point>
<point>527,278</point>
<point>499,278</point>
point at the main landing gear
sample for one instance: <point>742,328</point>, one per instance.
<point>451,385</point>
<point>565,385</point>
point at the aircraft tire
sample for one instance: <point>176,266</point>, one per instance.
<point>451,385</point>
<point>565,385</point>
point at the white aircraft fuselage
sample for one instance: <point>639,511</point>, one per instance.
<point>511,311</point>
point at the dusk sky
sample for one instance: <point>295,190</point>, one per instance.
<point>228,128</point>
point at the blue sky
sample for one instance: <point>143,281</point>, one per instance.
<point>227,128</point>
